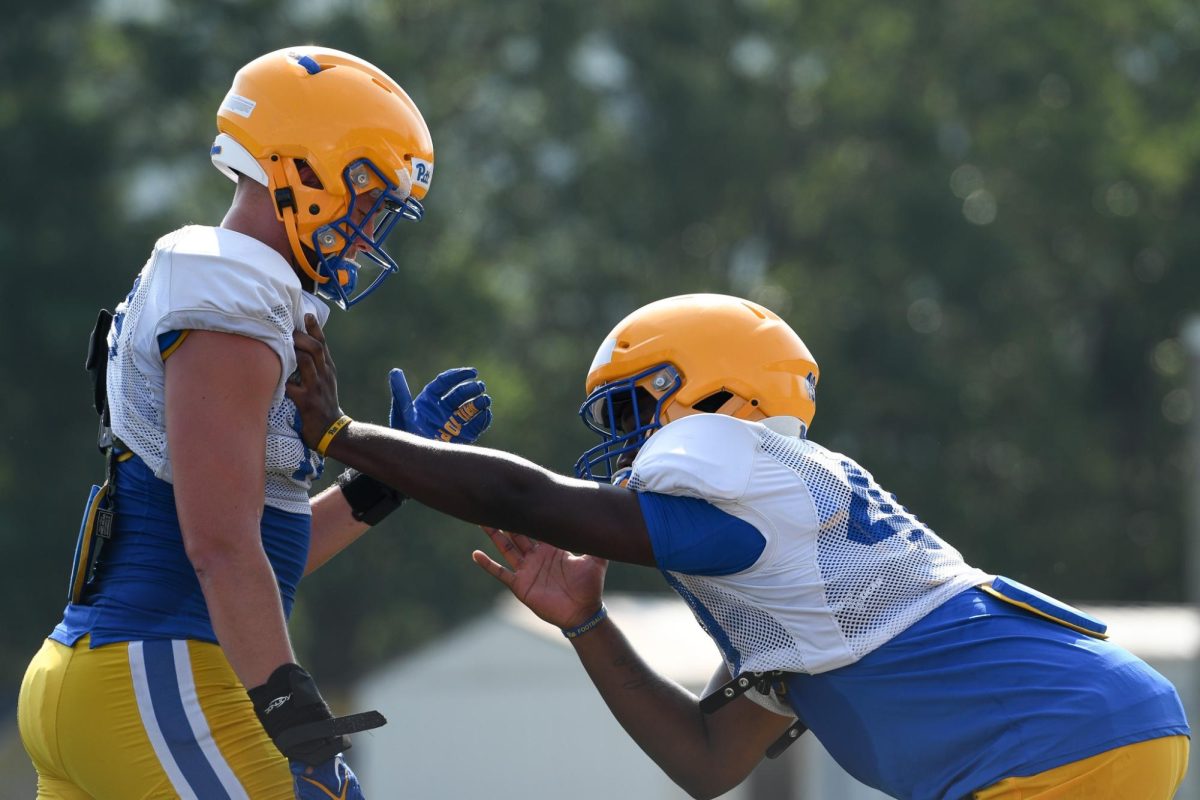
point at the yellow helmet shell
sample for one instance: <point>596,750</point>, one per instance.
<point>716,343</point>
<point>328,109</point>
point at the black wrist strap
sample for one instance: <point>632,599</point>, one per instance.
<point>370,501</point>
<point>328,728</point>
<point>299,721</point>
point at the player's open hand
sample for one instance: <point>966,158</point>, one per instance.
<point>561,588</point>
<point>313,386</point>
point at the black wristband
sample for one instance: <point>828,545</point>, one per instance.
<point>289,699</point>
<point>370,501</point>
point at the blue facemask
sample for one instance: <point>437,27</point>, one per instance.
<point>368,234</point>
<point>624,415</point>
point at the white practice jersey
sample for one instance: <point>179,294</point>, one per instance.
<point>201,278</point>
<point>845,567</point>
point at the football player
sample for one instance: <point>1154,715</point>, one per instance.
<point>835,608</point>
<point>190,554</point>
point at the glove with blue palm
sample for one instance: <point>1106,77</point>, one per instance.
<point>330,779</point>
<point>453,407</point>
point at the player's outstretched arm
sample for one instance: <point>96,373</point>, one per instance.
<point>705,755</point>
<point>487,487</point>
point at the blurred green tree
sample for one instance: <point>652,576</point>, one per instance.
<point>976,214</point>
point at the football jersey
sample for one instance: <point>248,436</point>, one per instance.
<point>197,278</point>
<point>202,278</point>
<point>783,549</point>
<point>844,567</point>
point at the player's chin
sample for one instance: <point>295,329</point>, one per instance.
<point>625,460</point>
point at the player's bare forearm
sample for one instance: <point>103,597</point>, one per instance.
<point>218,389</point>
<point>247,617</point>
<point>334,527</point>
<point>239,586</point>
<point>705,755</point>
<point>500,490</point>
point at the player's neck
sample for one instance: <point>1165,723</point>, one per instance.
<point>251,214</point>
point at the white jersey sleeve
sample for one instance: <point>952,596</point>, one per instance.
<point>201,278</point>
<point>217,295</point>
<point>707,457</point>
<point>199,285</point>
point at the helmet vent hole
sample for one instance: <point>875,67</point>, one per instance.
<point>754,402</point>
<point>758,313</point>
<point>308,175</point>
<point>382,85</point>
<point>714,401</point>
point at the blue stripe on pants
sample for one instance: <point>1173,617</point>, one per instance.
<point>173,721</point>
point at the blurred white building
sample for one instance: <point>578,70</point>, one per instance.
<point>502,709</point>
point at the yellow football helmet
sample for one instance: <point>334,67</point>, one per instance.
<point>320,129</point>
<point>696,353</point>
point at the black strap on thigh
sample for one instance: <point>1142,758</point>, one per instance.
<point>763,683</point>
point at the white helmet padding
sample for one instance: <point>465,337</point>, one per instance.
<point>233,160</point>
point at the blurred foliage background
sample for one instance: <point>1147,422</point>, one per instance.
<point>979,215</point>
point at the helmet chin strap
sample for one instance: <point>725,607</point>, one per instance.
<point>285,208</point>
<point>289,225</point>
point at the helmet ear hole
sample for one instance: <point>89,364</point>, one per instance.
<point>713,402</point>
<point>308,175</point>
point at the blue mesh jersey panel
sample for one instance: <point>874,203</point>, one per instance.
<point>146,588</point>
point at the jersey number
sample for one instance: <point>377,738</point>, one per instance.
<point>890,518</point>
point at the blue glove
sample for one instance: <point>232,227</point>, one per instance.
<point>453,406</point>
<point>330,779</point>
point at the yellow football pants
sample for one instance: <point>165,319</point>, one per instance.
<point>142,720</point>
<point>1150,770</point>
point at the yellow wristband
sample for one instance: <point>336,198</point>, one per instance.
<point>332,431</point>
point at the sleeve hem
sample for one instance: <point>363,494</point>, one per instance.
<point>221,322</point>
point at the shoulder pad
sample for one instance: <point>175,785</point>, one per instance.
<point>708,456</point>
<point>230,284</point>
<point>211,268</point>
<point>211,279</point>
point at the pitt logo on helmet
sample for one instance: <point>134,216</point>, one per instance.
<point>344,152</point>
<point>422,172</point>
